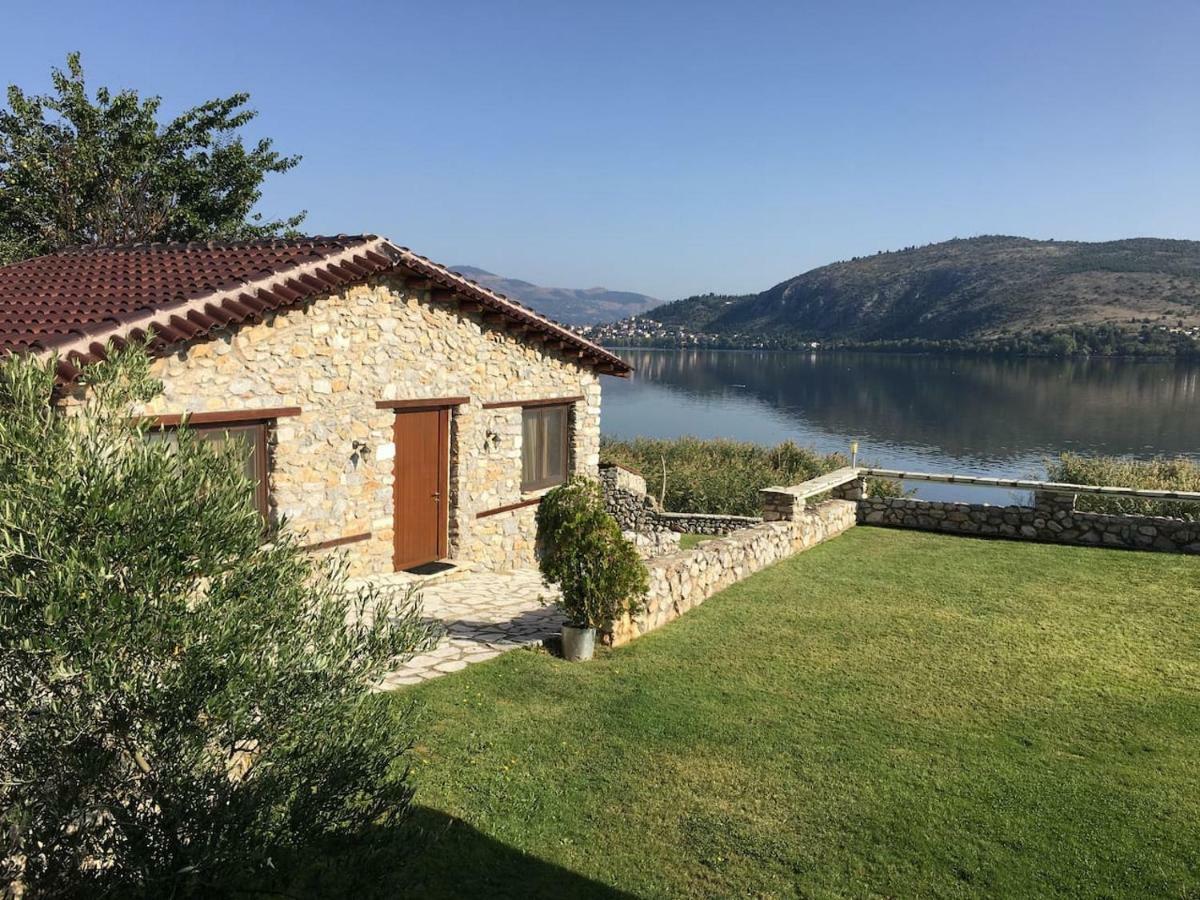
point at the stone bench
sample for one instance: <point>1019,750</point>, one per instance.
<point>787,503</point>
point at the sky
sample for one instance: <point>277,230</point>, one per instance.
<point>677,148</point>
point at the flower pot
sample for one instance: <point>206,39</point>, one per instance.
<point>578,643</point>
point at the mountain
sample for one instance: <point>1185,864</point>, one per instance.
<point>978,290</point>
<point>571,306</point>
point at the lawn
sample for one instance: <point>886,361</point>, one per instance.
<point>688,541</point>
<point>889,714</point>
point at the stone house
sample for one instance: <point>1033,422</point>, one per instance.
<point>386,404</point>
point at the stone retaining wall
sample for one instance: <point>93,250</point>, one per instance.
<point>653,543</point>
<point>1052,519</point>
<point>635,510</point>
<point>687,578</point>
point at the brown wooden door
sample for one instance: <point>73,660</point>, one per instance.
<point>421,489</point>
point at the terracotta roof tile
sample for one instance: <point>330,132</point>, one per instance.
<point>72,302</point>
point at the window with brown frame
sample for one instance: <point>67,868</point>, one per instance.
<point>251,441</point>
<point>544,446</point>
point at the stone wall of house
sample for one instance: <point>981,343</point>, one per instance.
<point>686,578</point>
<point>635,510</point>
<point>332,465</point>
<point>1053,518</point>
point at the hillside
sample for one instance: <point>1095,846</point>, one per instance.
<point>974,290</point>
<point>699,312</point>
<point>571,306</point>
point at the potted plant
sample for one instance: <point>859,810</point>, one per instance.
<point>598,572</point>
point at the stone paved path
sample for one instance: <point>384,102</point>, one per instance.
<point>482,614</point>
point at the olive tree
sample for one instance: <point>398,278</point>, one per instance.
<point>185,701</point>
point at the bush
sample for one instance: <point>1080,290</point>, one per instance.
<point>1158,474</point>
<point>183,705</point>
<point>723,476</point>
<point>597,570</point>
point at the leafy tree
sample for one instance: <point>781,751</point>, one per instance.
<point>597,569</point>
<point>182,704</point>
<point>79,171</point>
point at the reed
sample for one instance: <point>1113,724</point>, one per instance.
<point>1179,474</point>
<point>720,475</point>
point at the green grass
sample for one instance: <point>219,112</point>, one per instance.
<point>889,714</point>
<point>688,541</point>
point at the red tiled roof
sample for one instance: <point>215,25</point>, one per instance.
<point>71,303</point>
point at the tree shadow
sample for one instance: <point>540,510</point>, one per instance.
<point>434,855</point>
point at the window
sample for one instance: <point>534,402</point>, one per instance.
<point>543,446</point>
<point>251,439</point>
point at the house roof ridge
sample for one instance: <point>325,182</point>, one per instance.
<point>280,243</point>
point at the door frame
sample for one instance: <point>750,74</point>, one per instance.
<point>443,406</point>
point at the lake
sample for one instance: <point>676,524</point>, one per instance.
<point>970,415</point>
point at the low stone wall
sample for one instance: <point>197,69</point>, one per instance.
<point>701,523</point>
<point>653,543</point>
<point>1052,519</point>
<point>635,510</point>
<point>687,578</point>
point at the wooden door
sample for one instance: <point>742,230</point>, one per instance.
<point>421,486</point>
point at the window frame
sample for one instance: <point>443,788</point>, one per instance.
<point>540,409</point>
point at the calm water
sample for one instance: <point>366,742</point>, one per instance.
<point>931,413</point>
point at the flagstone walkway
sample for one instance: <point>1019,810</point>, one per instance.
<point>482,615</point>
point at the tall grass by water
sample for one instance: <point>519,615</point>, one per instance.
<point>1179,474</point>
<point>716,476</point>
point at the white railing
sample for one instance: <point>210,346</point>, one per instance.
<point>1050,487</point>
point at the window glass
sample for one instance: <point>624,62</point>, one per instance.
<point>543,446</point>
<point>251,443</point>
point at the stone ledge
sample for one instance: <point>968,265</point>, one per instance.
<point>786,503</point>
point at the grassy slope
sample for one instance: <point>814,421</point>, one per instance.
<point>891,713</point>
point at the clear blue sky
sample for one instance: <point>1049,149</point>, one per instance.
<point>674,148</point>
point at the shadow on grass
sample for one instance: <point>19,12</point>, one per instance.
<point>437,856</point>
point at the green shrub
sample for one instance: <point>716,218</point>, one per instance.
<point>1160,474</point>
<point>722,476</point>
<point>182,705</point>
<point>598,571</point>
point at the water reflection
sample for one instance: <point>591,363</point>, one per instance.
<point>988,415</point>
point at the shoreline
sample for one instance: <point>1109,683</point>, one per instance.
<point>881,351</point>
